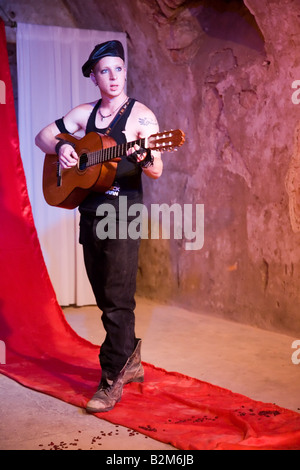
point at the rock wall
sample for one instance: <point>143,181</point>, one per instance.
<point>225,72</point>
<point>228,83</point>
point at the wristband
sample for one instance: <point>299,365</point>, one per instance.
<point>62,142</point>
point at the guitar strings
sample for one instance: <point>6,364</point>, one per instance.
<point>109,153</point>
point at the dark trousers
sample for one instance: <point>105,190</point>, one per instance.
<point>111,266</point>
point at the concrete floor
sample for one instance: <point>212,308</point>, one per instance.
<point>244,359</point>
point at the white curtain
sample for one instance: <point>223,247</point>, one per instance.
<point>50,83</point>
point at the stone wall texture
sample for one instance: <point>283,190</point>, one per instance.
<point>225,72</point>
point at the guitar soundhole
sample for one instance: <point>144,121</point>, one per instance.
<point>83,159</point>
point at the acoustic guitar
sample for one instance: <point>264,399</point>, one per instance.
<point>97,165</point>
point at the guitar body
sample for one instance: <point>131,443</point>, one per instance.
<point>97,165</point>
<point>71,186</point>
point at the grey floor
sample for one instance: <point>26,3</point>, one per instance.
<point>244,359</point>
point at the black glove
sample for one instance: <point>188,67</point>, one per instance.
<point>146,162</point>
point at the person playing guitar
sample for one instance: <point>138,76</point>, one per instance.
<point>111,263</point>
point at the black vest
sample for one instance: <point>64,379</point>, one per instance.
<point>128,175</point>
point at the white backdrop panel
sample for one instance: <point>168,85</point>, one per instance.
<point>50,83</point>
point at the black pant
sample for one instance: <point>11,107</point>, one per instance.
<point>111,266</point>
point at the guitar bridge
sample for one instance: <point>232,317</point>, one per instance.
<point>58,175</point>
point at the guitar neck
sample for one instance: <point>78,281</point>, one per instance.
<point>109,153</point>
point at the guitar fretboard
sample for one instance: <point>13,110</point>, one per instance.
<point>106,154</point>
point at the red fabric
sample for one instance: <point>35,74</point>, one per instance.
<point>45,354</point>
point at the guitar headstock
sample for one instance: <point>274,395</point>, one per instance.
<point>168,140</point>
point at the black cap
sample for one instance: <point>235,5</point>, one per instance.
<point>108,48</point>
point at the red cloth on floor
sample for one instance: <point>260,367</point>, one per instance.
<point>45,354</point>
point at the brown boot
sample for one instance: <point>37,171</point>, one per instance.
<point>108,394</point>
<point>133,369</point>
<point>110,391</point>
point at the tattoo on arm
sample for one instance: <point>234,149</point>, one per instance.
<point>146,122</point>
